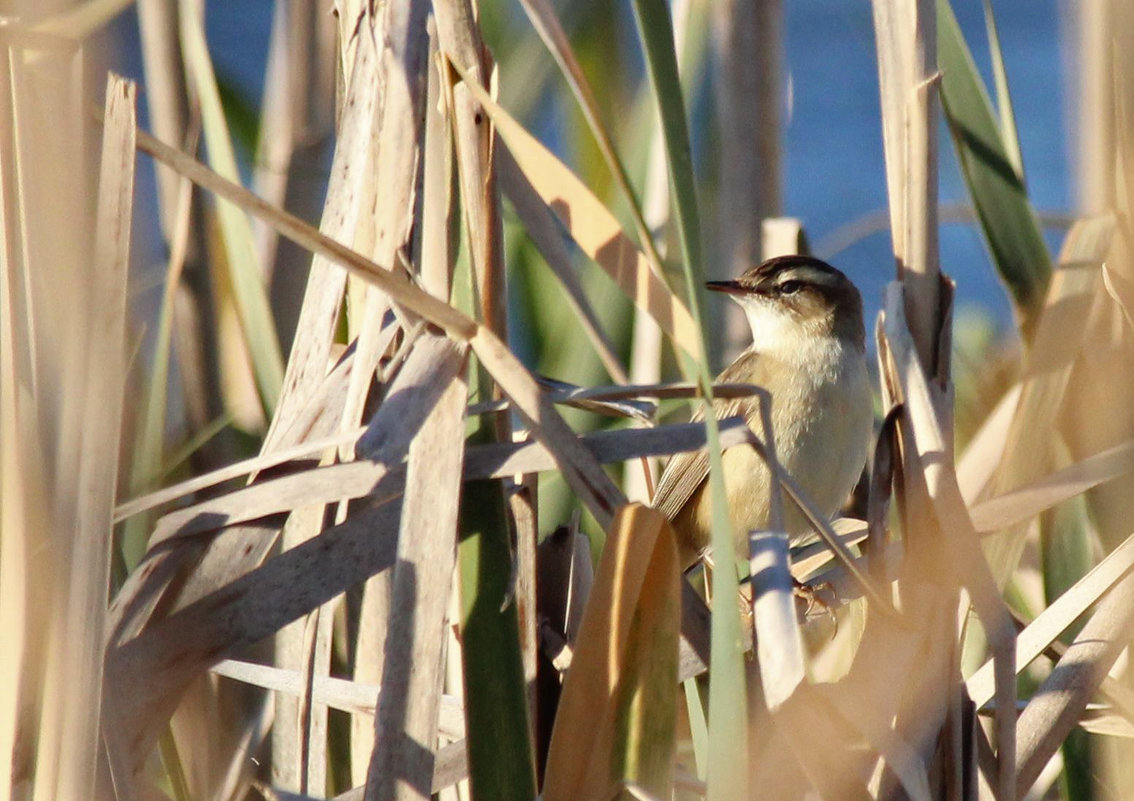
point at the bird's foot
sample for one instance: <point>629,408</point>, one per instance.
<point>809,596</point>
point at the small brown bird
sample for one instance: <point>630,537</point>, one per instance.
<point>808,352</point>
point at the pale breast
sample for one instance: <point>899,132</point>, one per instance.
<point>822,420</point>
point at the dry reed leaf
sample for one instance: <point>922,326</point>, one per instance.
<point>1121,290</point>
<point>436,260</point>
<point>889,693</point>
<point>985,451</point>
<point>409,114</point>
<point>1021,505</point>
<point>594,228</point>
<point>1058,616</point>
<point>19,475</point>
<point>172,651</point>
<point>82,20</point>
<point>779,647</point>
<point>23,478</point>
<point>791,766</point>
<point>292,584</point>
<point>906,34</point>
<point>927,459</point>
<point>347,188</point>
<point>450,767</point>
<point>244,547</point>
<point>381,481</point>
<point>640,411</point>
<point>370,652</point>
<point>458,36</point>
<point>310,487</point>
<point>522,495</point>
<point>397,148</point>
<point>1098,720</point>
<point>299,727</point>
<point>335,253</point>
<point>49,285</point>
<point>349,696</point>
<point>900,677</point>
<point>896,753</point>
<point>810,558</point>
<point>409,704</point>
<point>256,464</point>
<point>1058,338</point>
<point>543,231</point>
<point>410,397</point>
<point>322,415</point>
<point>103,400</point>
<point>891,687</point>
<point>618,709</point>
<point>205,737</point>
<point>645,357</point>
<point>608,400</point>
<point>1058,703</point>
<point>580,469</point>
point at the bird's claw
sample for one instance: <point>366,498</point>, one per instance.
<point>810,595</point>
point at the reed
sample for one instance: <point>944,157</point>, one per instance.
<point>316,525</point>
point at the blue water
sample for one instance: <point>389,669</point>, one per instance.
<point>833,165</point>
<point>835,170</point>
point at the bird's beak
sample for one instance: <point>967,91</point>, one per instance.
<point>728,287</point>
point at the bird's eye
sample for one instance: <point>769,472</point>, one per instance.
<point>790,287</point>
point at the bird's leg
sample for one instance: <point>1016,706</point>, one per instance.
<point>810,595</point>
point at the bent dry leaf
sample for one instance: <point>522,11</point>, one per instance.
<point>779,646</point>
<point>1060,701</point>
<point>977,465</point>
<point>1021,505</point>
<point>929,461</point>
<point>350,191</point>
<point>350,696</point>
<point>1058,338</point>
<point>1054,620</point>
<point>586,478</point>
<point>380,480</point>
<point>617,715</point>
<point>594,228</point>
<point>582,472</point>
<point>539,222</point>
<point>547,25</point>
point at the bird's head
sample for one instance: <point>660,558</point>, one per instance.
<point>791,300</point>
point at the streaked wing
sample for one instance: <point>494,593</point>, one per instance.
<point>684,472</point>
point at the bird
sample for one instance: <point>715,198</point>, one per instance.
<point>808,352</point>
